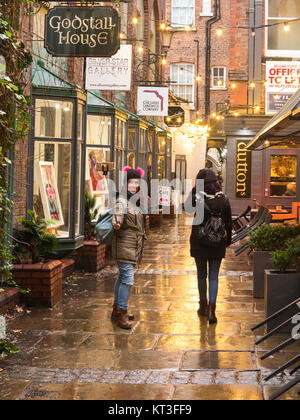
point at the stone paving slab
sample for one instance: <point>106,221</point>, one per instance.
<point>218,360</point>
<point>217,392</point>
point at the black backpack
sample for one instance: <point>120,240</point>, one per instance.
<point>212,233</point>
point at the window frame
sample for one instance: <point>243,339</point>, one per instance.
<point>204,13</point>
<point>216,87</point>
<point>179,84</point>
<point>277,53</point>
<point>182,25</point>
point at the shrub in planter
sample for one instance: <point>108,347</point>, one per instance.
<point>263,241</point>
<point>91,257</point>
<point>35,269</point>
<point>282,285</point>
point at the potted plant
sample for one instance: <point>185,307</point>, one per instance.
<point>35,269</point>
<point>264,240</point>
<point>90,257</point>
<point>282,284</point>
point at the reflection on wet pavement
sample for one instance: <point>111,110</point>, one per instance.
<point>74,351</point>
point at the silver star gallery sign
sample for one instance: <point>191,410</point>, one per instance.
<point>82,31</point>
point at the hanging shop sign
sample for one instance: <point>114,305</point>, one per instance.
<point>82,31</point>
<point>243,170</point>
<point>110,73</point>
<point>153,101</point>
<point>282,81</point>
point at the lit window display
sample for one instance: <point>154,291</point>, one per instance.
<point>99,130</point>
<point>143,150</point>
<point>283,176</point>
<point>53,119</point>
<point>57,169</point>
<point>52,184</point>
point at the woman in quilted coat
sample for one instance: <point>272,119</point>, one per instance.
<point>128,243</point>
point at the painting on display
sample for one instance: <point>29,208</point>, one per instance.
<point>95,179</point>
<point>50,194</point>
<point>99,182</point>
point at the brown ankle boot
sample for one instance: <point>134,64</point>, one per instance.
<point>212,313</point>
<point>203,309</point>
<point>123,321</point>
<point>115,314</point>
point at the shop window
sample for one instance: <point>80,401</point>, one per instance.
<point>281,42</point>
<point>283,176</point>
<point>183,12</point>
<point>53,119</point>
<point>120,148</point>
<point>219,77</point>
<point>161,165</point>
<point>143,149</point>
<point>131,156</point>
<point>52,184</point>
<point>80,122</point>
<point>98,130</point>
<point>183,75</point>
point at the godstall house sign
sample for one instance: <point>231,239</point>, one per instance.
<point>82,31</point>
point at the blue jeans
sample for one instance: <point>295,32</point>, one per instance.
<point>214,269</point>
<point>123,285</point>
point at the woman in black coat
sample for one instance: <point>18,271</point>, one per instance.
<point>205,256</point>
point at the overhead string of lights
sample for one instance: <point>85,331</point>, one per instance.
<point>285,23</point>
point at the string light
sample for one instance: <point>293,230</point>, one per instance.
<point>252,85</point>
<point>233,85</point>
<point>163,61</point>
<point>135,21</point>
<point>122,35</point>
<point>286,27</point>
<point>198,78</point>
<point>219,31</point>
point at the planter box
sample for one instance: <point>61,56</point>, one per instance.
<point>261,262</point>
<point>91,257</point>
<point>8,300</point>
<point>44,281</point>
<point>280,290</point>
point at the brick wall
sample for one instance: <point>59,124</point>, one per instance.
<point>184,49</point>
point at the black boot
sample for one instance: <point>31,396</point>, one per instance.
<point>203,309</point>
<point>212,313</point>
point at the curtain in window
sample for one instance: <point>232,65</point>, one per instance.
<point>183,12</point>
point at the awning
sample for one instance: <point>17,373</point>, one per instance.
<point>283,128</point>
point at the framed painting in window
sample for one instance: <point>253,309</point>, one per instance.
<point>47,182</point>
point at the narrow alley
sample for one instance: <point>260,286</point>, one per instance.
<point>75,352</point>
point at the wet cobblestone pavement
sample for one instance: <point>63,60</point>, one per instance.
<point>74,351</point>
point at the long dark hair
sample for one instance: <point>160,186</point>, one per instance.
<point>212,188</point>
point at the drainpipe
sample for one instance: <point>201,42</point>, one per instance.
<point>257,51</point>
<point>216,17</point>
<point>250,97</point>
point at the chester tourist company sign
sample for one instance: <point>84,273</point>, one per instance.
<point>82,31</point>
